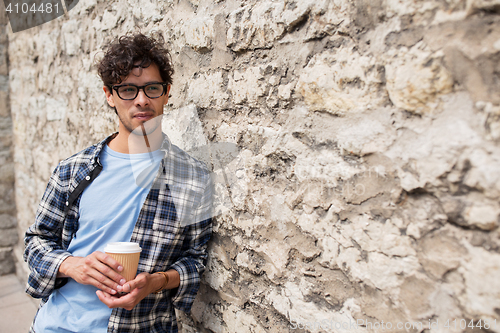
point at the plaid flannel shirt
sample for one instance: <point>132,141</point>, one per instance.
<point>173,229</point>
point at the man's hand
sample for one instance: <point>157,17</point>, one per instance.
<point>97,269</point>
<point>139,288</point>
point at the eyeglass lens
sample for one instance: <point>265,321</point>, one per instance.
<point>130,92</point>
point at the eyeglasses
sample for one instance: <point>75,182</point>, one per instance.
<point>129,92</point>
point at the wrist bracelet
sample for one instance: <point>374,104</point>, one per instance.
<point>164,285</point>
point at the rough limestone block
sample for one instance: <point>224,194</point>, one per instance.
<point>255,27</point>
<point>484,173</point>
<point>291,301</point>
<point>364,133</point>
<point>3,17</point>
<point>147,11</point>
<point>340,83</point>
<point>4,83</point>
<point>8,237</point>
<point>7,173</point>
<point>3,60</point>
<point>490,5</point>
<point>482,287</point>
<point>237,321</point>
<point>416,78</point>
<point>247,85</point>
<point>184,128</point>
<point>408,7</point>
<point>439,253</point>
<point>5,128</point>
<point>7,265</point>
<point>377,270</point>
<point>72,37</point>
<point>207,89</point>
<point>364,186</point>
<point>483,215</point>
<point>429,151</point>
<point>217,275</point>
<point>199,33</point>
<point>7,221</point>
<point>416,292</point>
<point>476,75</point>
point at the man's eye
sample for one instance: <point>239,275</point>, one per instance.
<point>153,88</point>
<point>128,89</point>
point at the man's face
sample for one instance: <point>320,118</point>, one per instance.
<point>133,113</point>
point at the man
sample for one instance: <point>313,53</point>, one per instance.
<point>96,197</point>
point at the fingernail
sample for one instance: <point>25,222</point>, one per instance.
<point>113,291</point>
<point>120,268</point>
<point>120,288</point>
<point>122,281</point>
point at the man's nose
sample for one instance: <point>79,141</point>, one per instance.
<point>141,98</point>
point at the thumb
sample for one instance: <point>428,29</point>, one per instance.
<point>139,282</point>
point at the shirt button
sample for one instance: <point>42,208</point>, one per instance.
<point>87,178</point>
<point>67,203</point>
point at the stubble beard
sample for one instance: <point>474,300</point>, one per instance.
<point>149,126</point>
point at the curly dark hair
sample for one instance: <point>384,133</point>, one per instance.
<point>124,52</point>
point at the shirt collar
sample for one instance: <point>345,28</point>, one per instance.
<point>94,157</point>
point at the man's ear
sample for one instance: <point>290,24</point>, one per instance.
<point>167,93</point>
<point>109,96</point>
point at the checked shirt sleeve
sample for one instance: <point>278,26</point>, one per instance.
<point>44,252</point>
<point>191,264</point>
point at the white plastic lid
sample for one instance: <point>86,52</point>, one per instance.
<point>122,247</point>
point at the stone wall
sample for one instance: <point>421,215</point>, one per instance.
<point>8,231</point>
<point>365,191</point>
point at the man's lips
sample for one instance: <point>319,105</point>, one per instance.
<point>143,115</point>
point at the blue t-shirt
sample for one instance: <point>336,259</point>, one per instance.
<point>109,208</point>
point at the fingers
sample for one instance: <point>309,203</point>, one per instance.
<point>97,269</point>
<point>101,282</point>
<point>108,266</point>
<point>139,282</point>
<point>101,272</point>
<point>135,293</point>
<point>107,299</point>
<point>127,301</point>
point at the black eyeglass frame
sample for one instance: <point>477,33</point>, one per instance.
<point>163,84</point>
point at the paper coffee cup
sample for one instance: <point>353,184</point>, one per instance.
<point>127,254</point>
